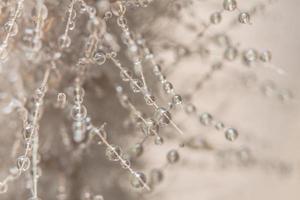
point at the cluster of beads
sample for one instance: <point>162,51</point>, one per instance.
<point>30,134</point>
<point>11,28</point>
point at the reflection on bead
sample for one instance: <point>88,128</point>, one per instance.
<point>250,55</point>
<point>138,180</point>
<point>162,116</point>
<point>216,18</point>
<point>137,150</point>
<point>265,56</point>
<point>205,119</point>
<point>136,85</point>
<point>113,153</point>
<point>156,176</point>
<point>168,87</point>
<point>177,99</point>
<point>229,5</point>
<point>173,156</point>
<point>158,140</point>
<point>99,57</point>
<point>231,134</point>
<point>244,18</point>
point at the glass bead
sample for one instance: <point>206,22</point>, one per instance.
<point>136,85</point>
<point>138,180</point>
<point>150,127</point>
<point>23,163</point>
<point>150,99</point>
<point>216,18</point>
<point>126,75</point>
<point>177,99</point>
<point>99,57</point>
<point>158,140</point>
<point>113,153</point>
<point>162,116</point>
<point>266,56</point>
<point>168,87</point>
<point>137,150</point>
<point>205,119</point>
<point>156,176</point>
<point>79,130</point>
<point>157,70</point>
<point>64,41</point>
<point>173,156</point>
<point>125,162</point>
<point>190,108</point>
<point>231,134</point>
<point>231,53</point>
<point>229,5</point>
<point>250,55</point>
<point>78,113</point>
<point>244,18</point>
<point>219,125</point>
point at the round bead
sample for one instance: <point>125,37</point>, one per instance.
<point>137,150</point>
<point>231,53</point>
<point>216,18</point>
<point>229,5</point>
<point>173,156</point>
<point>138,180</point>
<point>99,57</point>
<point>64,41</point>
<point>168,87</point>
<point>266,56</point>
<point>158,140</point>
<point>149,99</point>
<point>162,116</point>
<point>150,127</point>
<point>177,99</point>
<point>205,119</point>
<point>136,85</point>
<point>156,176</point>
<point>250,55</point>
<point>244,18</point>
<point>231,134</point>
<point>126,75</point>
<point>113,153</point>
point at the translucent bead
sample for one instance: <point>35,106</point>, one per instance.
<point>23,163</point>
<point>3,187</point>
<point>177,99</point>
<point>244,18</point>
<point>136,85</point>
<point>126,75</point>
<point>266,56</point>
<point>162,116</point>
<point>219,125</point>
<point>150,127</point>
<point>157,70</point>
<point>205,119</point>
<point>78,113</point>
<point>137,150</point>
<point>250,55</point>
<point>158,140</point>
<point>138,180</point>
<point>125,163</point>
<point>64,41</point>
<point>99,57</point>
<point>231,53</point>
<point>190,108</point>
<point>113,153</point>
<point>168,87</point>
<point>231,134</point>
<point>229,5</point>
<point>150,99</point>
<point>156,176</point>
<point>79,130</point>
<point>173,156</point>
<point>216,18</point>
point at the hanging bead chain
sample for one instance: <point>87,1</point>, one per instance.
<point>119,10</point>
<point>115,153</point>
<point>162,113</point>
<point>149,126</point>
<point>64,40</point>
<point>30,131</point>
<point>12,29</point>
